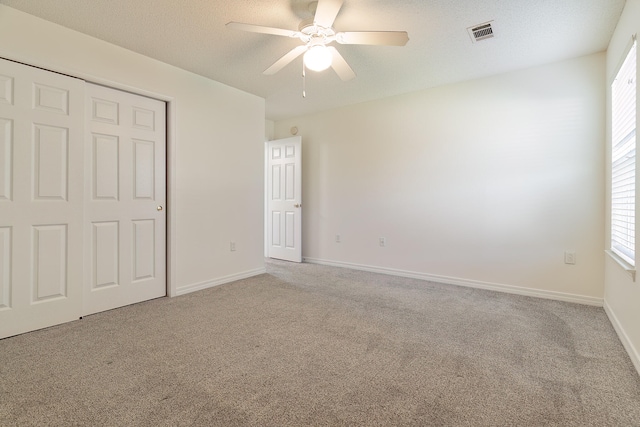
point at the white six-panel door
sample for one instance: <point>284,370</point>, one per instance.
<point>82,198</point>
<point>125,194</point>
<point>284,199</point>
<point>41,198</point>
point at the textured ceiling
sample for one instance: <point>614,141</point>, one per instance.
<point>192,35</point>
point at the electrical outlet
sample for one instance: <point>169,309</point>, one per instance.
<point>383,241</point>
<point>337,238</point>
<point>569,257</point>
<point>232,246</point>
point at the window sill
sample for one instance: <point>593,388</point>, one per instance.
<point>628,268</point>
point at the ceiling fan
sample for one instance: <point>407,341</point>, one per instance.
<point>317,33</point>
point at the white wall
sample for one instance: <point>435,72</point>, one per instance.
<point>484,183</point>
<point>215,152</point>
<point>269,130</point>
<point>622,294</point>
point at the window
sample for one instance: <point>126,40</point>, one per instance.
<point>623,159</point>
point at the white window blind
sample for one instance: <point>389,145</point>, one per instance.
<point>623,159</point>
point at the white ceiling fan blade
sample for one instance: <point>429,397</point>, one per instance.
<point>286,59</point>
<point>340,66</point>
<point>384,38</point>
<point>326,12</point>
<point>260,29</point>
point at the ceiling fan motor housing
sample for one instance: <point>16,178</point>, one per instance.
<point>313,34</point>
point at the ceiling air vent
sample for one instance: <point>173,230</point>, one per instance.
<point>481,31</point>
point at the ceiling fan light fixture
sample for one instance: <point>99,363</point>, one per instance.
<point>317,58</point>
<point>317,34</point>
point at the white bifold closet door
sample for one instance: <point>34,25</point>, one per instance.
<point>125,199</point>
<point>41,198</point>
<point>82,198</point>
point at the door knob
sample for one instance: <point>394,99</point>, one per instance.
<point>159,208</point>
<point>297,205</point>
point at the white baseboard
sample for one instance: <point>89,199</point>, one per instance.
<point>220,281</point>
<point>560,296</point>
<point>633,352</point>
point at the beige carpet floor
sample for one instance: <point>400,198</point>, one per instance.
<point>321,346</point>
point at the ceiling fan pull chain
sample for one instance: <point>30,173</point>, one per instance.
<point>304,82</point>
